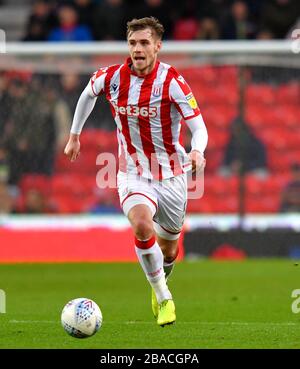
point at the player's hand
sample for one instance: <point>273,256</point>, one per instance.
<point>72,149</point>
<point>198,161</point>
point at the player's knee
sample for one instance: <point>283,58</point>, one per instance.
<point>170,255</point>
<point>143,229</point>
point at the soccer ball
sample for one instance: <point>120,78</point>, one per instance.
<point>81,318</point>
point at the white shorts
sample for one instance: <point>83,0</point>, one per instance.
<point>166,199</point>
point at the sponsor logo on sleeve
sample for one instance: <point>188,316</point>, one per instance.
<point>192,101</point>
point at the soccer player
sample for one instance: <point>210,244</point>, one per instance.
<point>148,100</point>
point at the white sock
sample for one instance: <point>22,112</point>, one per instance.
<point>151,259</point>
<point>161,290</point>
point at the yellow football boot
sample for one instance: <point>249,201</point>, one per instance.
<point>166,313</point>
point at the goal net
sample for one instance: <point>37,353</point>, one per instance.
<point>248,94</point>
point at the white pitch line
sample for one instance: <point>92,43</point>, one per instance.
<point>178,323</point>
<point>227,323</point>
<point>31,321</point>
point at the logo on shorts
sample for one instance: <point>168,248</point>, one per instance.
<point>125,192</point>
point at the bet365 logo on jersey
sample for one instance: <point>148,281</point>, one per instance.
<point>136,111</point>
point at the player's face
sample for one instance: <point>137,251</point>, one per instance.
<point>143,49</point>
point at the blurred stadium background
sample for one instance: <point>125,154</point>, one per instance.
<point>237,57</point>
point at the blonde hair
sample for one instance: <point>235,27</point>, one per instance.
<point>143,23</point>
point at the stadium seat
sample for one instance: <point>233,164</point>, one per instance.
<point>218,138</point>
<point>35,181</point>
<point>61,163</point>
<point>288,93</point>
<point>67,204</point>
<point>64,205</point>
<point>286,115</point>
<point>98,140</point>
<point>206,95</point>
<point>227,94</point>
<point>208,74</point>
<point>228,204</point>
<point>262,204</point>
<point>281,161</point>
<point>186,29</point>
<point>273,184</point>
<point>219,116</point>
<point>218,186</point>
<point>210,95</point>
<point>198,206</point>
<point>261,116</point>
<point>276,182</point>
<point>214,159</point>
<point>85,163</point>
<point>228,75</point>
<point>260,94</point>
<point>72,184</point>
<point>274,138</point>
<point>208,204</point>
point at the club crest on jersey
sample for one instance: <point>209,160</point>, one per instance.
<point>192,101</point>
<point>156,91</point>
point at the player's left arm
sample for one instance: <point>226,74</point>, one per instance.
<point>186,104</point>
<point>199,142</point>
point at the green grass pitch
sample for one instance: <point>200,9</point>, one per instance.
<point>219,305</point>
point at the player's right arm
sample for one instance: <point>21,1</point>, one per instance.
<point>83,109</point>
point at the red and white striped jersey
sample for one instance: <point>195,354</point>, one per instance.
<point>148,111</point>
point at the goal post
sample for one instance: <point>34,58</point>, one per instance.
<point>169,47</point>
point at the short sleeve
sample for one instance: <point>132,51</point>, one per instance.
<point>183,98</point>
<point>97,81</point>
